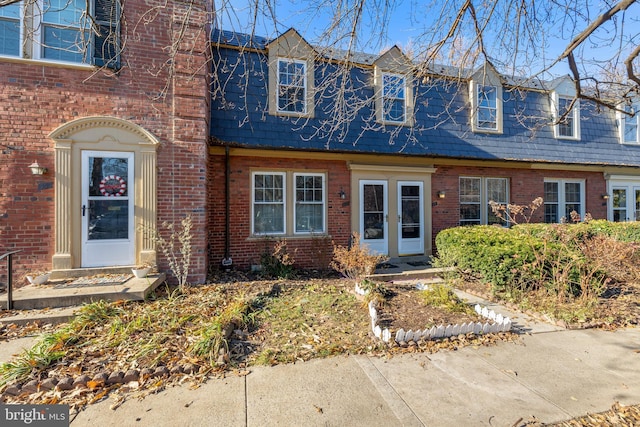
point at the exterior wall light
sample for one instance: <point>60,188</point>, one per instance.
<point>36,169</point>
<point>342,194</point>
<point>441,194</point>
<point>605,196</point>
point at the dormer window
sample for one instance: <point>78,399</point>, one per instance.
<point>629,124</point>
<point>393,98</point>
<point>486,101</point>
<point>567,127</point>
<point>487,107</point>
<point>292,86</point>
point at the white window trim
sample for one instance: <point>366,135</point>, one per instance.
<point>575,113</point>
<point>379,74</point>
<point>562,200</point>
<point>484,197</point>
<point>473,96</point>
<point>284,203</point>
<point>305,87</point>
<point>324,203</point>
<point>622,122</point>
<point>384,98</point>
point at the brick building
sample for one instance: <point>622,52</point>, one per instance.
<point>144,115</point>
<point>117,111</point>
<point>318,144</point>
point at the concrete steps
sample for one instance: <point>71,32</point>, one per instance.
<point>57,293</point>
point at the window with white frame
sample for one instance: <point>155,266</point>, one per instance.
<point>486,104</point>
<point>567,117</point>
<point>309,212</point>
<point>629,124</point>
<point>475,195</point>
<point>273,203</point>
<point>561,198</point>
<point>393,98</point>
<point>269,210</point>
<point>62,31</point>
<point>292,86</point>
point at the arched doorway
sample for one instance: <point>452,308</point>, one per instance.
<point>105,193</point>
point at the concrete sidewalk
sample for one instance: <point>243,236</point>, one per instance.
<point>552,375</point>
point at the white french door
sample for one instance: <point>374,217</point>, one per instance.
<point>410,218</point>
<point>374,215</point>
<point>107,207</point>
<point>625,203</point>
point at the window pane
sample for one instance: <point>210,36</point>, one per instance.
<point>309,213</point>
<point>630,126</point>
<point>291,86</point>
<point>469,190</point>
<point>268,209</point>
<point>469,214</point>
<point>551,192</point>
<point>268,218</point>
<point>566,126</point>
<point>497,190</point>
<point>487,107</point>
<point>550,213</point>
<point>10,29</point>
<point>393,93</point>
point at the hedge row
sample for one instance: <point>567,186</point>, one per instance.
<point>528,256</point>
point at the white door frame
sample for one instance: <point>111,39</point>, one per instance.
<point>630,185</point>
<point>376,239</point>
<point>412,245</point>
<point>107,252</point>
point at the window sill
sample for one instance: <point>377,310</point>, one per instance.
<point>44,63</point>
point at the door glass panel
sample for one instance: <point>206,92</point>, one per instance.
<point>108,219</point>
<point>637,210</point>
<point>619,204</point>
<point>108,204</point>
<point>410,211</point>
<point>373,212</point>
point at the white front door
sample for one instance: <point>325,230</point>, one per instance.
<point>410,218</point>
<point>625,204</point>
<point>374,226</point>
<point>108,232</point>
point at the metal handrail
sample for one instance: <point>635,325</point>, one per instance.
<point>9,256</point>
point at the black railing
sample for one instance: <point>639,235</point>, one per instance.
<point>9,257</point>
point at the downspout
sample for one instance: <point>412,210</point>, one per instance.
<point>226,261</point>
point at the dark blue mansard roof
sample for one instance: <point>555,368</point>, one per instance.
<point>442,126</point>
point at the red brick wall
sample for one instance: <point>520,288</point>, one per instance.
<point>308,252</point>
<point>524,186</point>
<point>36,98</point>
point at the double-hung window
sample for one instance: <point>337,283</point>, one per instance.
<point>309,203</point>
<point>475,195</point>
<point>629,125</point>
<point>561,198</point>
<point>393,98</point>
<point>62,31</point>
<point>273,203</point>
<point>567,117</point>
<point>486,105</point>
<point>292,86</point>
<point>269,208</point>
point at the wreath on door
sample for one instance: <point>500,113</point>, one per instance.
<point>113,186</point>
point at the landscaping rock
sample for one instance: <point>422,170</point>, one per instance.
<point>100,378</point>
<point>132,375</point>
<point>189,368</point>
<point>160,371</point>
<point>115,378</point>
<point>65,383</point>
<point>13,390</point>
<point>177,369</point>
<point>31,387</point>
<point>49,384</point>
<point>81,381</point>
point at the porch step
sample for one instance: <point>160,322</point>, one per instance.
<point>88,272</point>
<point>54,295</point>
<point>396,271</point>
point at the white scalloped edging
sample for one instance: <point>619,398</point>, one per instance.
<point>499,324</point>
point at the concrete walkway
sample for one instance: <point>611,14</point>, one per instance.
<point>552,375</point>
